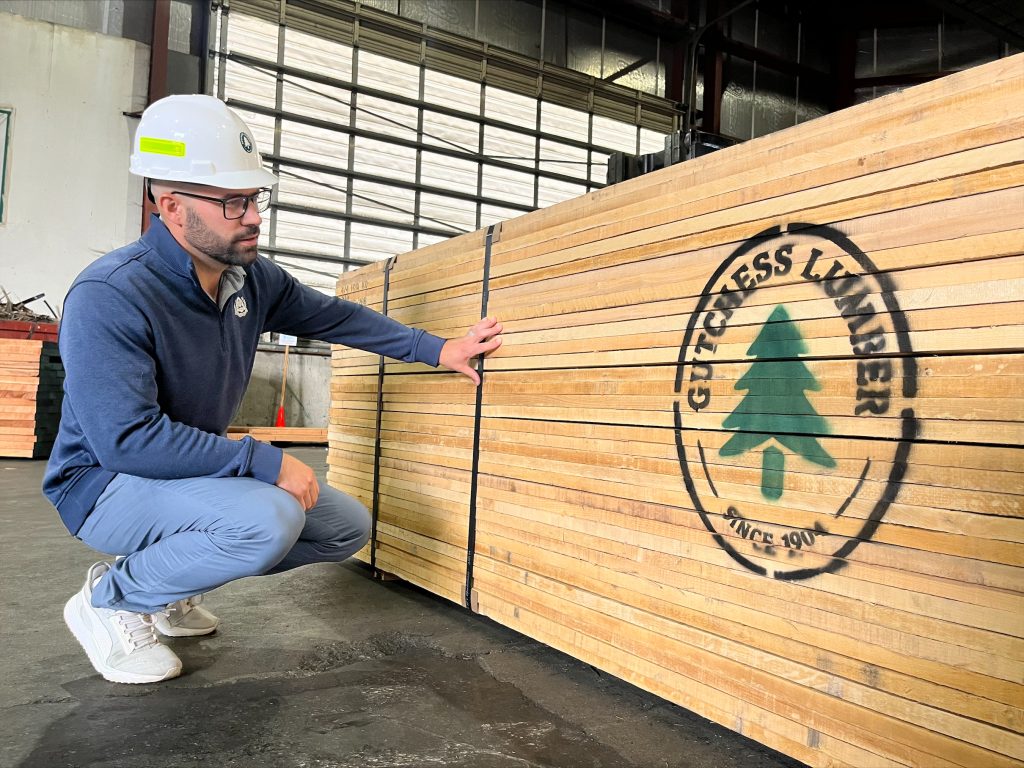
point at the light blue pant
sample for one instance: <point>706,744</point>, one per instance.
<point>186,537</point>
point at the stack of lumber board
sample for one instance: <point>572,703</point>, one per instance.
<point>31,392</point>
<point>753,441</point>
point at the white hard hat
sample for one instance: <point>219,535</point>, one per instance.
<point>199,140</point>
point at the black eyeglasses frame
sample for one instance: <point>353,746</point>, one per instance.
<point>260,199</point>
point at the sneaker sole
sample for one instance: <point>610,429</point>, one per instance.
<point>179,632</point>
<point>109,673</point>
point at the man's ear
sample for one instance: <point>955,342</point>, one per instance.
<point>169,206</point>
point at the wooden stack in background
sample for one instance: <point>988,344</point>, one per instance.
<point>31,392</point>
<point>307,435</point>
<point>858,601</point>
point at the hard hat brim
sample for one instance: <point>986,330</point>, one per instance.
<point>231,180</point>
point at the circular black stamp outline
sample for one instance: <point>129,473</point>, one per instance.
<point>909,425</point>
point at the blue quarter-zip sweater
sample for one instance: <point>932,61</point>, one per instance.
<point>156,369</point>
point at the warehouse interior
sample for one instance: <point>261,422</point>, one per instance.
<point>395,126</point>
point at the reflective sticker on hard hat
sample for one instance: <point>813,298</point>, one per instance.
<point>161,146</point>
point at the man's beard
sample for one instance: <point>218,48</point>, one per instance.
<point>226,251</point>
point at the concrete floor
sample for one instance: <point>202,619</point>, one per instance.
<point>322,667</point>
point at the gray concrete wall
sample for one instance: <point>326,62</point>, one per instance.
<point>307,391</point>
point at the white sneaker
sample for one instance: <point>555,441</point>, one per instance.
<point>185,618</point>
<point>121,645</point>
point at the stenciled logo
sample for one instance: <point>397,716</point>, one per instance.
<point>794,419</point>
<point>241,308</point>
<point>245,141</point>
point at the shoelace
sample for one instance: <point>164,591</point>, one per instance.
<point>184,606</point>
<point>137,629</point>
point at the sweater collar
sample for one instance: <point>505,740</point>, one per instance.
<point>160,239</point>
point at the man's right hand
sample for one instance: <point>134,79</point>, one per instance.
<point>299,480</point>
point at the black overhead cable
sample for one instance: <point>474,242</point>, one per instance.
<point>563,162</point>
<point>270,70</point>
<point>284,78</point>
<point>421,217</point>
<point>368,111</point>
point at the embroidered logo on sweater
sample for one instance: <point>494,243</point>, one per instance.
<point>241,308</point>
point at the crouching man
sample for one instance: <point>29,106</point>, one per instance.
<point>158,340</point>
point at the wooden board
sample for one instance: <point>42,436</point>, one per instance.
<point>754,437</point>
<point>280,434</point>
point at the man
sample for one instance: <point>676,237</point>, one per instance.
<point>158,340</point>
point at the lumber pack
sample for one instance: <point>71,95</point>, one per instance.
<point>31,392</point>
<point>753,441</point>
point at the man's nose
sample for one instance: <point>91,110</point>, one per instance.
<point>252,216</point>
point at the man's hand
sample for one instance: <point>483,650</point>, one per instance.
<point>299,480</point>
<point>481,339</point>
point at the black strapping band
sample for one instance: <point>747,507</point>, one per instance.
<point>375,512</point>
<point>471,537</point>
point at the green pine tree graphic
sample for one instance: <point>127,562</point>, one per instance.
<point>775,405</point>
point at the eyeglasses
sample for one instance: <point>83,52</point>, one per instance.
<point>235,207</point>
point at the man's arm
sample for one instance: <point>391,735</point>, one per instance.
<point>299,479</point>
<point>299,310</point>
<point>302,311</point>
